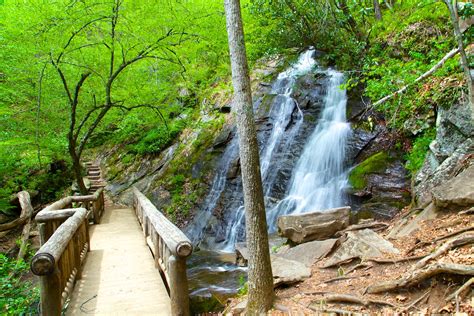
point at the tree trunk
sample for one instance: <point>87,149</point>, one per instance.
<point>377,11</point>
<point>77,169</point>
<point>260,279</point>
<point>453,12</point>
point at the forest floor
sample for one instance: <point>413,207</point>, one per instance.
<point>344,288</point>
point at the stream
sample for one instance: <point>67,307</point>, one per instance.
<point>303,169</point>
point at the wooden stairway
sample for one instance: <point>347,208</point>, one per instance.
<point>94,175</point>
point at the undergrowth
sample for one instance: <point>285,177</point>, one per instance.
<point>18,295</point>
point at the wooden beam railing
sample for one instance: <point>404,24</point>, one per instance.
<point>170,248</point>
<point>58,262</point>
<point>93,203</point>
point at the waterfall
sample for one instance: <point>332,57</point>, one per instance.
<point>316,176</point>
<point>319,178</point>
<point>281,113</point>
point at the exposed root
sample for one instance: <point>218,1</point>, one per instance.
<point>341,278</point>
<point>417,276</point>
<point>388,261</point>
<point>469,211</point>
<point>453,243</point>
<point>352,299</point>
<point>427,243</point>
<point>341,262</point>
<point>459,293</point>
<point>374,226</point>
<point>415,302</point>
<point>359,266</point>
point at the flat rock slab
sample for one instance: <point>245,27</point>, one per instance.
<point>361,244</point>
<point>308,253</point>
<point>456,192</point>
<point>288,271</point>
<point>320,225</point>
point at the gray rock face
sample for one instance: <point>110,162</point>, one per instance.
<point>362,244</point>
<point>387,189</point>
<point>308,253</point>
<point>433,173</point>
<point>288,271</point>
<point>453,144</point>
<point>456,192</point>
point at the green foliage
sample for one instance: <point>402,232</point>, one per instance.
<point>157,139</point>
<point>416,155</point>
<point>373,164</point>
<point>243,286</point>
<point>19,297</point>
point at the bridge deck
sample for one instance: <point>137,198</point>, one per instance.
<point>119,276</point>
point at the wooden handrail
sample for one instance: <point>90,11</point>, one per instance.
<point>93,202</point>
<point>59,261</point>
<point>169,246</point>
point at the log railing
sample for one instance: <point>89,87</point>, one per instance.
<point>58,263</point>
<point>65,241</point>
<point>170,248</point>
<point>93,203</point>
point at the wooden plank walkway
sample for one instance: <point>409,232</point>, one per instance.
<point>119,276</point>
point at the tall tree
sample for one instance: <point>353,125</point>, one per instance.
<point>260,279</point>
<point>453,12</point>
<point>101,31</point>
<point>377,11</point>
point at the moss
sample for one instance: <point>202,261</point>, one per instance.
<point>373,164</point>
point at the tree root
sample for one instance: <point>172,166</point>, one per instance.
<point>427,243</point>
<point>417,276</point>
<point>415,302</point>
<point>347,298</point>
<point>389,261</point>
<point>341,278</point>
<point>453,243</point>
<point>459,293</point>
<point>375,226</point>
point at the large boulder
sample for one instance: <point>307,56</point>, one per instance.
<point>456,192</point>
<point>321,225</point>
<point>361,244</point>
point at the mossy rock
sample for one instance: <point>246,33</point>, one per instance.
<point>375,163</point>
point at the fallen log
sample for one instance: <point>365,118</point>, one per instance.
<point>26,211</point>
<point>306,227</point>
<point>438,65</point>
<point>453,243</point>
<point>417,276</point>
<point>15,223</point>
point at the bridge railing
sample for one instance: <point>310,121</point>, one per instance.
<point>65,241</point>
<point>170,248</point>
<point>58,262</point>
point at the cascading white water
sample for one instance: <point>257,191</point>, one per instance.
<point>280,115</point>
<point>195,230</point>
<point>319,178</point>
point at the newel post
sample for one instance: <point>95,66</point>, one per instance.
<point>179,292</point>
<point>50,289</point>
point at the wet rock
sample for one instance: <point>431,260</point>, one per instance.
<point>308,253</point>
<point>456,192</point>
<point>310,226</point>
<point>288,271</point>
<point>361,244</point>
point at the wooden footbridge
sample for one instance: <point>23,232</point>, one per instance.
<point>129,262</point>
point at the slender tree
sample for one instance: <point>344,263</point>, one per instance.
<point>377,11</point>
<point>260,279</point>
<point>453,12</point>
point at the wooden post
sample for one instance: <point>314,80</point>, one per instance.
<point>179,292</point>
<point>50,287</point>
